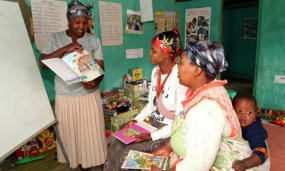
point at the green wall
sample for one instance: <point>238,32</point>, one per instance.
<point>116,64</point>
<point>270,55</point>
<point>240,53</point>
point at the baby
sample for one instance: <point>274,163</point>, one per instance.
<point>252,131</point>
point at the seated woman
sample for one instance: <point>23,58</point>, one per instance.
<point>209,126</point>
<point>165,96</point>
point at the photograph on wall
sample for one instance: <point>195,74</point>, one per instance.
<point>197,24</point>
<point>134,24</point>
<point>250,28</point>
<point>166,21</point>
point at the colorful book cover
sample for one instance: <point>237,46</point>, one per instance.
<point>136,74</point>
<point>140,160</point>
<point>126,134</point>
<point>75,67</point>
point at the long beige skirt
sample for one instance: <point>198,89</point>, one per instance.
<point>81,129</point>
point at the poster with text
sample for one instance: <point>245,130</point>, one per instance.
<point>166,21</point>
<point>250,28</point>
<point>197,25</point>
<point>134,24</point>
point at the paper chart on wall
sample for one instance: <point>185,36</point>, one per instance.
<point>111,23</point>
<point>48,17</point>
<point>146,10</point>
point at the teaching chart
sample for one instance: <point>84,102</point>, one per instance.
<point>49,16</point>
<point>111,23</point>
<point>25,109</point>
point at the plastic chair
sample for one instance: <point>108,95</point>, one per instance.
<point>232,93</point>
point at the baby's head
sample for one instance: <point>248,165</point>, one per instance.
<point>245,107</point>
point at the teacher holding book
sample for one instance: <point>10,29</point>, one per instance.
<point>78,107</point>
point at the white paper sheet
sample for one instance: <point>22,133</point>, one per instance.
<point>134,53</point>
<point>279,79</point>
<point>48,16</point>
<point>146,10</point>
<point>111,23</point>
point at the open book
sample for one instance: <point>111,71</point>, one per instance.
<point>75,67</point>
<point>140,160</point>
<point>126,134</point>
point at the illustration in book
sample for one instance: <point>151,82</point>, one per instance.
<point>75,67</point>
<point>140,160</point>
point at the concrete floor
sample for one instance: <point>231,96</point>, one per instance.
<point>47,164</point>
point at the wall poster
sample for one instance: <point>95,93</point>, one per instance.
<point>197,26</point>
<point>250,28</point>
<point>166,21</point>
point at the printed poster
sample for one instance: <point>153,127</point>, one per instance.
<point>134,24</point>
<point>197,26</point>
<point>166,21</point>
<point>250,28</point>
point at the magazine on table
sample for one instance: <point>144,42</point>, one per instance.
<point>75,67</point>
<point>141,160</point>
<point>126,134</point>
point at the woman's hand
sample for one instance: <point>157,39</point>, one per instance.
<point>130,123</point>
<point>155,168</point>
<point>142,138</point>
<point>89,85</point>
<point>239,165</point>
<point>73,47</point>
<point>163,150</point>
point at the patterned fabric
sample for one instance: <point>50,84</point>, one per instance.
<point>169,114</point>
<point>232,149</point>
<point>209,56</point>
<point>168,42</point>
<point>215,91</point>
<point>118,151</point>
<point>77,9</point>
<point>256,135</point>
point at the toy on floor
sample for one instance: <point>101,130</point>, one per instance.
<point>47,139</point>
<point>279,121</point>
<point>29,152</point>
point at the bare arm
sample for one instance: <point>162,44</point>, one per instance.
<point>247,163</point>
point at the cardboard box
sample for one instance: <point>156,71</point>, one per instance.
<point>136,74</point>
<point>115,123</point>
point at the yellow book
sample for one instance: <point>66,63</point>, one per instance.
<point>136,74</point>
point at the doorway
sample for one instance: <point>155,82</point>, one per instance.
<point>239,32</point>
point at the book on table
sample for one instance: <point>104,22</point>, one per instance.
<point>126,134</point>
<point>75,67</point>
<point>141,160</point>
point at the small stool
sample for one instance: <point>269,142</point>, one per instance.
<point>232,93</point>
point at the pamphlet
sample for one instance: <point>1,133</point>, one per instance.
<point>75,67</point>
<point>126,134</point>
<point>140,160</point>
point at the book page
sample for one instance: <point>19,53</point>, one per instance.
<point>146,126</point>
<point>140,160</point>
<point>62,70</point>
<point>83,65</point>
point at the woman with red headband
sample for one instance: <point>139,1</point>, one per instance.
<point>165,96</point>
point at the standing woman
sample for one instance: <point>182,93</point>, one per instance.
<point>165,96</point>
<point>78,107</point>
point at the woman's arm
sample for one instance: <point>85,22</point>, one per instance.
<point>59,53</point>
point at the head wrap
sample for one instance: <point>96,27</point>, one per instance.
<point>209,56</point>
<point>168,42</point>
<point>77,9</point>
